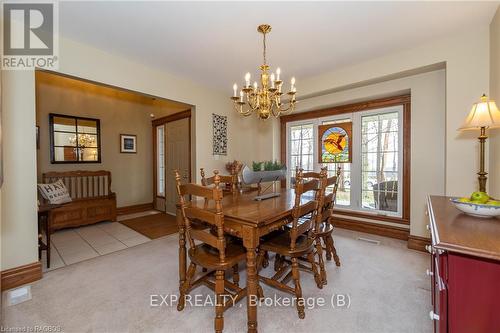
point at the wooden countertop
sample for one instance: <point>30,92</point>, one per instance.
<point>455,231</point>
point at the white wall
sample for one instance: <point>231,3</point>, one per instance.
<point>19,235</point>
<point>494,141</point>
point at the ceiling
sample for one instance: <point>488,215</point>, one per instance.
<point>159,107</point>
<point>216,43</point>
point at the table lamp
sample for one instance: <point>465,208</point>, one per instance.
<point>483,115</point>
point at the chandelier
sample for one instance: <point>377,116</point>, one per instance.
<point>266,99</point>
<point>82,141</point>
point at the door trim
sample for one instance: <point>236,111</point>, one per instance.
<point>164,121</point>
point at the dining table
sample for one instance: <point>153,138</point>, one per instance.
<point>249,220</point>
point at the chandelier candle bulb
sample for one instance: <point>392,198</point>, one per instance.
<point>235,89</point>
<point>278,72</point>
<point>247,79</point>
<point>272,80</point>
<point>241,95</point>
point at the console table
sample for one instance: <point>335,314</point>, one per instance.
<point>44,221</point>
<point>465,269</point>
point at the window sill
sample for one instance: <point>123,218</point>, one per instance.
<point>371,216</point>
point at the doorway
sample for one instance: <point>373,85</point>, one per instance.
<point>80,131</point>
<point>172,151</point>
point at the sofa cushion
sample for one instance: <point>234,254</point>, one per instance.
<point>55,193</point>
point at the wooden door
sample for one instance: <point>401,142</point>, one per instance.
<point>178,158</point>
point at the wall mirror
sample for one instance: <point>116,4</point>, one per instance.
<point>74,139</point>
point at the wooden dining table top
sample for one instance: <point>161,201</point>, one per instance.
<point>244,208</point>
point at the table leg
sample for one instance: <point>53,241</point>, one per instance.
<point>47,234</point>
<point>40,240</point>
<point>251,241</point>
<point>182,249</point>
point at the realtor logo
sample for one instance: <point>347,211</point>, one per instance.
<point>29,35</point>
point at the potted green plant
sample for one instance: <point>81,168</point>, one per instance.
<point>265,171</point>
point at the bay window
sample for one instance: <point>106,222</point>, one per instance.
<point>374,183</point>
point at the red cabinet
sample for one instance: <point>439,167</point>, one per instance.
<point>465,270</point>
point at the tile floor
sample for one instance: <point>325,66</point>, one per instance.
<point>73,245</point>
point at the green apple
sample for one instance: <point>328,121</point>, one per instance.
<point>479,197</point>
<point>464,200</point>
<point>493,202</point>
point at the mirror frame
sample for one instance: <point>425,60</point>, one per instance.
<point>76,118</point>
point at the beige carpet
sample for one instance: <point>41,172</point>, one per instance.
<point>387,285</point>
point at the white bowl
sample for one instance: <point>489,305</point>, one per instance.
<point>478,210</point>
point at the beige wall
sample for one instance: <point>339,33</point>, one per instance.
<point>467,76</point>
<point>466,58</point>
<point>494,141</point>
<point>427,137</point>
<point>466,55</point>
<point>132,174</point>
<point>18,216</point>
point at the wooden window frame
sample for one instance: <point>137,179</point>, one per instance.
<point>76,118</point>
<point>164,121</point>
<point>400,100</point>
<point>155,161</point>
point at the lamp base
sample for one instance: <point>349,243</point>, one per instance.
<point>482,174</point>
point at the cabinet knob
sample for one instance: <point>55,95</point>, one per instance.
<point>428,248</point>
<point>427,227</point>
<point>429,273</point>
<point>433,316</point>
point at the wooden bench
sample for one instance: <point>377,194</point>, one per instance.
<point>92,198</point>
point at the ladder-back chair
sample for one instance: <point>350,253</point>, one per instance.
<point>212,252</point>
<point>296,242</point>
<point>325,218</point>
<point>228,180</point>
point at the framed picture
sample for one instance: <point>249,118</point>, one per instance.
<point>128,143</point>
<point>335,143</point>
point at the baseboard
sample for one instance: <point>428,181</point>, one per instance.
<point>134,209</point>
<point>372,228</point>
<point>418,243</point>
<point>17,276</point>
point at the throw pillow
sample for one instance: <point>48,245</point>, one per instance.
<point>56,193</point>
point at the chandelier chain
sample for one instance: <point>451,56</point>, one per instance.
<point>265,62</point>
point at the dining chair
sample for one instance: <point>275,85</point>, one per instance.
<point>321,177</point>
<point>212,252</point>
<point>296,242</point>
<point>229,180</point>
<point>319,196</point>
<point>325,229</point>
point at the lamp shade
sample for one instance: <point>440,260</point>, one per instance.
<point>483,114</point>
